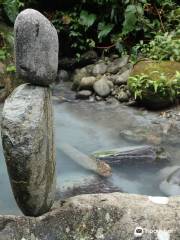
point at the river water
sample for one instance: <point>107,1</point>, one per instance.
<point>91,126</point>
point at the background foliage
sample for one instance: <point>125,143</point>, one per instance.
<point>106,25</point>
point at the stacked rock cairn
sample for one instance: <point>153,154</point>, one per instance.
<point>27,121</point>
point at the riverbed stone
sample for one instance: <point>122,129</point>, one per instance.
<point>117,64</point>
<point>122,78</point>
<point>27,137</point>
<point>99,69</point>
<point>101,88</point>
<point>83,94</point>
<point>114,216</point>
<point>36,48</point>
<point>87,82</point>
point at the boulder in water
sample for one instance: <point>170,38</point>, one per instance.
<point>27,137</point>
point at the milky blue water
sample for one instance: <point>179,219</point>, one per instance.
<point>89,129</point>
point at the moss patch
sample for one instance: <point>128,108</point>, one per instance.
<point>155,84</point>
<point>169,68</point>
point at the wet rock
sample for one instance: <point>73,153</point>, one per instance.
<point>170,186</point>
<point>122,96</point>
<point>62,76</point>
<point>27,137</point>
<point>99,69</point>
<point>101,88</point>
<point>77,77</point>
<point>83,94</point>
<point>87,82</point>
<point>112,216</point>
<point>122,79</point>
<point>133,155</point>
<point>36,48</point>
<point>117,64</point>
<point>151,99</point>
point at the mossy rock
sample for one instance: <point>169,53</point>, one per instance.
<point>150,99</point>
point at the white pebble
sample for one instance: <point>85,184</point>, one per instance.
<point>159,200</point>
<point>163,235</point>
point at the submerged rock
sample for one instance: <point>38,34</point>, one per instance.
<point>101,168</point>
<point>27,137</point>
<point>36,48</point>
<point>171,184</point>
<point>132,155</point>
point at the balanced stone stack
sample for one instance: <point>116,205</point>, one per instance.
<point>27,123</point>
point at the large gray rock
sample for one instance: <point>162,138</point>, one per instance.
<point>114,216</point>
<point>102,88</point>
<point>117,64</point>
<point>27,137</point>
<point>99,69</point>
<point>36,48</point>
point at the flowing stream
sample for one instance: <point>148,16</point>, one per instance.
<point>89,127</point>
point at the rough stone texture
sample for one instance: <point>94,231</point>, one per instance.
<point>87,82</point>
<point>27,136</point>
<point>101,87</point>
<point>99,68</point>
<point>83,94</point>
<point>122,79</point>
<point>36,48</point>
<point>112,216</point>
<point>117,64</point>
<point>170,185</point>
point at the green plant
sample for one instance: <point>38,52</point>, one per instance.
<point>3,54</point>
<point>10,69</point>
<point>155,83</point>
<point>11,8</point>
<point>162,47</point>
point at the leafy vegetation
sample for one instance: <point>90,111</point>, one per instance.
<point>155,84</point>
<point>163,47</point>
<point>106,25</point>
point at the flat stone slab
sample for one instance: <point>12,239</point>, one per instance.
<point>36,48</point>
<point>115,216</point>
<point>28,143</point>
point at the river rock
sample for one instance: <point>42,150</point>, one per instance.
<point>101,87</point>
<point>87,82</point>
<point>122,79</point>
<point>36,48</point>
<point>77,77</point>
<point>27,137</point>
<point>117,64</point>
<point>99,69</point>
<point>170,186</point>
<point>114,216</point>
<point>83,94</point>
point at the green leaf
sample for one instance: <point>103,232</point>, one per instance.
<point>87,19</point>
<point>104,29</point>
<point>11,8</point>
<point>131,17</point>
<point>11,69</point>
